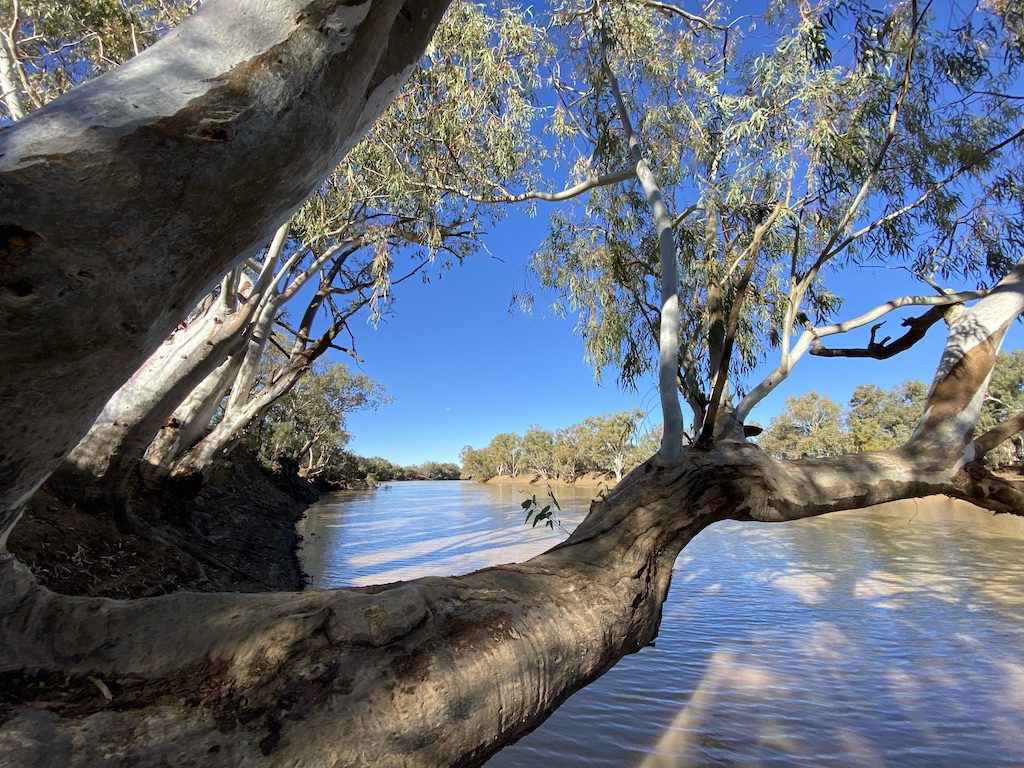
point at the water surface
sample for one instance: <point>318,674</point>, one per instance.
<point>884,637</point>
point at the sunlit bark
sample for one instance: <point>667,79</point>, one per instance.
<point>127,198</point>
<point>668,334</point>
<point>441,671</point>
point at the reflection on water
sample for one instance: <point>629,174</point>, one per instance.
<point>888,637</point>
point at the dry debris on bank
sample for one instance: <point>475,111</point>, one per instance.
<point>237,534</point>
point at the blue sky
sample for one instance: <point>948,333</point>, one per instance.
<point>461,368</point>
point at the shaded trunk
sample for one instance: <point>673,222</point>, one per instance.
<point>104,460</point>
<point>189,422</point>
<point>197,460</point>
<point>437,671</point>
<point>440,671</point>
<point>126,198</point>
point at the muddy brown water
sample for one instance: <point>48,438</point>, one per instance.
<point>885,637</point>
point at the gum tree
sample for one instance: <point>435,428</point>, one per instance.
<point>380,219</point>
<point>444,671</point>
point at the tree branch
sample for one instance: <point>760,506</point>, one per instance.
<point>811,335</point>
<point>568,193</point>
<point>977,484</point>
<point>885,349</point>
<point>750,253</point>
<point>668,342</point>
<point>999,434</point>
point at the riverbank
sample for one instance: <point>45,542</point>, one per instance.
<point>237,534</point>
<point>587,480</point>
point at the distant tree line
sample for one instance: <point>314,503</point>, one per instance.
<point>877,419</point>
<point>608,444</point>
<point>374,469</point>
<point>305,432</point>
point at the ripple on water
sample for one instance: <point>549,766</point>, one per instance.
<point>889,637</point>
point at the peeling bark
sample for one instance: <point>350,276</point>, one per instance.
<point>437,671</point>
<point>152,180</point>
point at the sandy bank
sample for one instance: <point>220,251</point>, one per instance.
<point>588,480</point>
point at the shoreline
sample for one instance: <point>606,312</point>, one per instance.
<point>588,480</point>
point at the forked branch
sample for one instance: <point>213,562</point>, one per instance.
<point>883,350</point>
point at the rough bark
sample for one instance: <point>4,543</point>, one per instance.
<point>125,199</point>
<point>425,673</point>
<point>438,671</point>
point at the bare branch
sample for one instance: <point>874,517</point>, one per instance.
<point>885,349</point>
<point>690,18</point>
<point>568,193</point>
<point>999,434</point>
<point>810,335</point>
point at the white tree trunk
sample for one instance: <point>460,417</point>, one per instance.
<point>190,420</point>
<point>9,83</point>
<point>125,199</point>
<point>118,439</point>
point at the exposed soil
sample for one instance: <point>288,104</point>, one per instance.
<point>236,534</point>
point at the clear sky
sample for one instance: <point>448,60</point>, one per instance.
<point>461,368</point>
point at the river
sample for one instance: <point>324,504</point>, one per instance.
<point>885,637</point>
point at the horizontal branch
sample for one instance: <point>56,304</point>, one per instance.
<point>683,14</point>
<point>552,197</point>
<point>885,349</point>
<point>977,484</point>
<point>812,335</point>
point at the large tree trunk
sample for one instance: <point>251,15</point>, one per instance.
<point>209,139</point>
<point>439,671</point>
<point>125,199</point>
<point>426,673</point>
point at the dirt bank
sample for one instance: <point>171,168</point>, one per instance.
<point>237,534</point>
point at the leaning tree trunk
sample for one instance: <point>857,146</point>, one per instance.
<point>101,466</point>
<point>438,671</point>
<point>125,199</point>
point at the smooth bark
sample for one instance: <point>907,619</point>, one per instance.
<point>125,199</point>
<point>669,325</point>
<point>440,671</point>
<point>110,451</point>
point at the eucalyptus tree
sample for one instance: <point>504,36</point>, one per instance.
<point>610,441</point>
<point>777,164</point>
<point>306,427</point>
<point>444,671</point>
<point>538,451</point>
<point>381,218</point>
<point>878,419</point>
<point>810,425</point>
